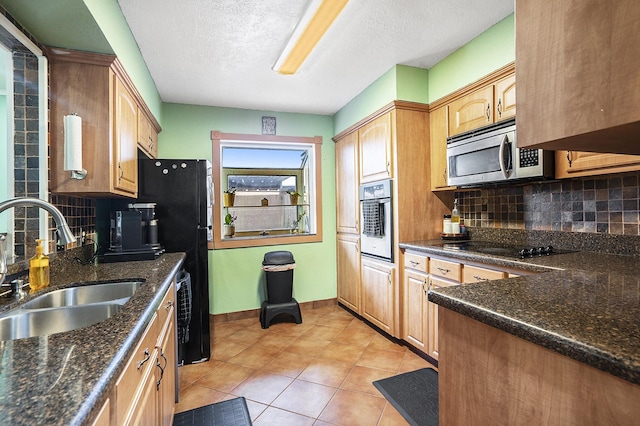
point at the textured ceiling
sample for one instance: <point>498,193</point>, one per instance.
<point>220,52</point>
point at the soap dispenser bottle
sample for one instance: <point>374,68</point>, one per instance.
<point>39,269</point>
<point>455,218</point>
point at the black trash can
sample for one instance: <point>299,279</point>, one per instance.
<point>278,267</point>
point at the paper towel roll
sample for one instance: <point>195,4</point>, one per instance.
<point>72,142</point>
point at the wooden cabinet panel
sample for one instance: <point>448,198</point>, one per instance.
<point>577,68</point>
<point>104,415</point>
<point>438,126</point>
<point>375,149</point>
<point>416,262</point>
<point>414,320</point>
<point>471,111</point>
<point>348,263</point>
<point>125,144</point>
<point>433,348</point>
<point>347,183</point>
<point>378,285</point>
<point>445,269</point>
<point>145,403</point>
<point>147,136</point>
<point>505,98</point>
<point>579,163</point>
<point>474,274</point>
<point>166,373</point>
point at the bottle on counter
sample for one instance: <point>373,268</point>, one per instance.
<point>39,269</point>
<point>455,218</point>
<point>446,224</point>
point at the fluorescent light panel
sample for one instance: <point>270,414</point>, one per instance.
<point>314,24</point>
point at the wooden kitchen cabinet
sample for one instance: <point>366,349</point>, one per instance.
<point>504,105</point>
<point>378,293</point>
<point>96,88</point>
<point>415,283</point>
<point>580,163</point>
<point>375,149</point>
<point>147,136</point>
<point>347,184</point>
<point>433,346</point>
<point>439,131</point>
<point>166,361</point>
<point>104,415</point>
<point>348,264</point>
<point>475,274</point>
<point>577,73</point>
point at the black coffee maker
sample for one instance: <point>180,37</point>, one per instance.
<point>134,234</point>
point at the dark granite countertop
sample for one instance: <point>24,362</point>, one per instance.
<point>583,305</point>
<point>64,378</point>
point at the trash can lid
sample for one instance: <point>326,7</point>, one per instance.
<point>278,258</point>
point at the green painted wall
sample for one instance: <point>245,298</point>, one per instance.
<point>235,278</point>
<point>489,51</point>
<point>109,17</point>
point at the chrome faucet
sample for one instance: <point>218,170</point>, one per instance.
<point>66,236</point>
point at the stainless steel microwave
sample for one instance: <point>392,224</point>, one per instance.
<point>490,155</point>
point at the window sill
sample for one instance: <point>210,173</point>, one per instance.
<point>270,240</point>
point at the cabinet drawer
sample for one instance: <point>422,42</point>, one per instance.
<point>417,262</point>
<point>143,358</point>
<point>445,269</point>
<point>473,274</point>
<point>438,283</point>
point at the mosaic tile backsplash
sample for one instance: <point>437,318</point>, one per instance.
<point>604,204</point>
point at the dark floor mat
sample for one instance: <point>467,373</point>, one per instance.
<point>414,395</point>
<point>233,412</point>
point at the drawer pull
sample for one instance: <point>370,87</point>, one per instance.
<point>147,357</point>
<point>477,278</point>
<point>414,263</point>
<point>443,270</point>
<point>160,367</point>
<point>169,304</point>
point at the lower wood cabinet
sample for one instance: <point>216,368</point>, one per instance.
<point>145,391</point>
<point>348,256</point>
<point>378,293</point>
<point>433,347</point>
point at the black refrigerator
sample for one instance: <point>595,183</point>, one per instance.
<point>182,191</point>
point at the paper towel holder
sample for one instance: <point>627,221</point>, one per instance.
<point>73,146</point>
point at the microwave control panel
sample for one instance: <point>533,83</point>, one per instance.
<point>529,157</point>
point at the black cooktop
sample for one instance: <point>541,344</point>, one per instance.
<point>499,249</point>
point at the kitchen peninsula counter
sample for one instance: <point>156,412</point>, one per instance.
<point>582,305</point>
<point>65,378</point>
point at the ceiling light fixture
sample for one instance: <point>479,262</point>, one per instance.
<point>314,24</point>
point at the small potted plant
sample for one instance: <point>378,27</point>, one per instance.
<point>229,225</point>
<point>229,197</point>
<point>294,196</point>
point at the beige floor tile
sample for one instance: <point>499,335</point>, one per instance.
<point>226,377</point>
<point>306,346</point>
<point>255,408</point>
<point>391,417</point>
<point>247,335</point>
<point>361,379</point>
<point>188,374</point>
<point>381,359</point>
<point>326,372</point>
<point>321,332</point>
<point>276,341</point>
<point>262,386</point>
<point>321,423</point>
<point>196,396</point>
<point>413,362</point>
<point>381,342</point>
<point>276,417</point>
<point>355,335</point>
<point>288,364</point>
<point>291,328</point>
<point>353,408</point>
<point>256,356</point>
<point>306,398</point>
<point>224,350</point>
<point>346,352</point>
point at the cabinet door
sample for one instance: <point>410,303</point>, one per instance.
<point>414,321</point>
<point>375,149</point>
<point>377,293</point>
<point>439,132</point>
<point>505,102</point>
<point>166,374</point>
<point>125,143</point>
<point>348,253</point>
<point>471,111</point>
<point>347,176</point>
<point>578,163</point>
<point>147,136</point>
<point>432,317</point>
<point>145,409</point>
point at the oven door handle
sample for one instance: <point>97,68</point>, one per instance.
<point>504,168</point>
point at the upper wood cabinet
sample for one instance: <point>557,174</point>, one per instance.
<point>488,104</point>
<point>438,123</point>
<point>375,149</point>
<point>577,75</point>
<point>580,163</point>
<point>147,136</point>
<point>97,88</point>
<point>347,178</point>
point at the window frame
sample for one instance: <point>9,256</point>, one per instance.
<point>217,138</point>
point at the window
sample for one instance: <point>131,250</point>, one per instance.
<point>264,174</point>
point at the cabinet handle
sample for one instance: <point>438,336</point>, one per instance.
<point>389,278</point>
<point>443,270</point>
<point>169,304</point>
<point>499,107</point>
<point>388,168</point>
<point>489,112</point>
<point>414,263</point>
<point>160,367</point>
<point>477,278</point>
<point>121,171</point>
<point>444,176</point>
<point>147,357</point>
<point>424,286</point>
<point>430,285</point>
<point>569,158</point>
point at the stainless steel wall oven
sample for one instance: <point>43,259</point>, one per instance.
<point>376,218</point>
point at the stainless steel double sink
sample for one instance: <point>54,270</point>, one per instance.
<point>66,309</point>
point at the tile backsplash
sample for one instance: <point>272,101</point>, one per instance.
<point>603,204</point>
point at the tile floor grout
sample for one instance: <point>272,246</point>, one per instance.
<point>315,373</point>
